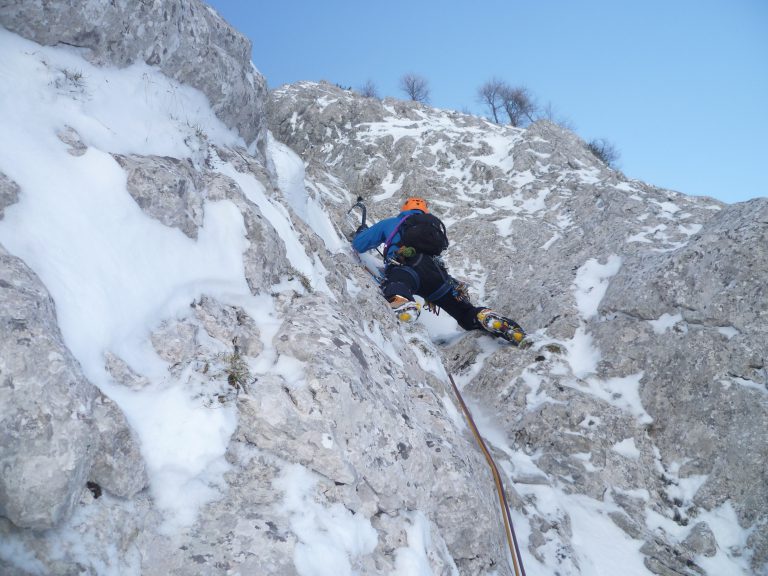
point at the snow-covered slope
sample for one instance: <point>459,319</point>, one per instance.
<point>276,417</point>
<point>655,297</point>
<point>198,377</point>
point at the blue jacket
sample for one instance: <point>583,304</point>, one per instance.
<point>377,234</point>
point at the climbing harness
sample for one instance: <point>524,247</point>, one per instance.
<point>509,528</point>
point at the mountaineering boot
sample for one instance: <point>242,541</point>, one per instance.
<point>406,310</point>
<point>500,326</point>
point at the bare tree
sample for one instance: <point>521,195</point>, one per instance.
<point>518,105</point>
<point>489,95</point>
<point>416,87</point>
<point>501,98</point>
<point>369,89</point>
<point>605,151</point>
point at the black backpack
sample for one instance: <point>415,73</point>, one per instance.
<point>423,232</point>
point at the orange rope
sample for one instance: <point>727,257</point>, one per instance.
<point>505,513</point>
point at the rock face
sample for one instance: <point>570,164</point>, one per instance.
<point>641,401</point>
<point>9,193</point>
<point>184,38</point>
<point>58,430</point>
<point>663,379</point>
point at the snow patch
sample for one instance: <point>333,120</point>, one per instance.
<point>627,448</point>
<point>665,322</point>
<point>728,331</point>
<point>330,539</point>
<point>413,559</point>
<point>592,282</point>
<point>581,355</point>
<point>277,215</point>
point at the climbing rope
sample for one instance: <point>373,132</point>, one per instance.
<point>509,528</point>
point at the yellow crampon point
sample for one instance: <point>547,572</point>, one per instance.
<point>501,326</point>
<point>406,316</point>
<point>405,310</point>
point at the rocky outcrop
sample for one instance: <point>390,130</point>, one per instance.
<point>642,399</point>
<point>9,193</point>
<point>645,393</point>
<point>707,357</point>
<point>58,430</point>
<point>166,188</point>
<point>186,39</point>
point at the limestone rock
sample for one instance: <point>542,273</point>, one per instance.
<point>229,324</point>
<point>46,403</point>
<point>58,430</point>
<point>264,260</point>
<point>71,138</point>
<point>186,39</point>
<point>167,189</point>
<point>118,466</point>
<point>642,397</point>
<point>701,540</point>
<point>9,193</point>
<point>678,338</point>
<point>122,373</point>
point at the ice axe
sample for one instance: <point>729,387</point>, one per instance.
<point>363,209</point>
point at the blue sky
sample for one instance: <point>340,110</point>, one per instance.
<point>679,86</point>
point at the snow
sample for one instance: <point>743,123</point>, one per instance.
<point>330,538</point>
<point>665,322</point>
<point>391,187</point>
<point>537,203</point>
<point>289,168</point>
<point>627,448</point>
<point>311,268</point>
<point>667,207</point>
<point>505,226</point>
<point>728,331</point>
<point>114,272</point>
<point>592,282</point>
<point>731,538</point>
<point>581,355</point>
<point>555,237</point>
<point>690,230</point>
<point>601,549</point>
<point>290,175</point>
<point>413,560</point>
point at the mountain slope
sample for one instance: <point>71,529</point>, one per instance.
<point>656,296</point>
<point>247,403</point>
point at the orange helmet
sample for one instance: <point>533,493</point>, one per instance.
<point>415,203</point>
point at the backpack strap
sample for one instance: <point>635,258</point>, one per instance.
<point>388,243</point>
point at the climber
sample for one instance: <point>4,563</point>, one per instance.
<point>413,242</point>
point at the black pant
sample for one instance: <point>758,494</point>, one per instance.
<point>423,276</point>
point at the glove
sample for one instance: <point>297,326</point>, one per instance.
<point>361,228</point>
<point>406,252</point>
